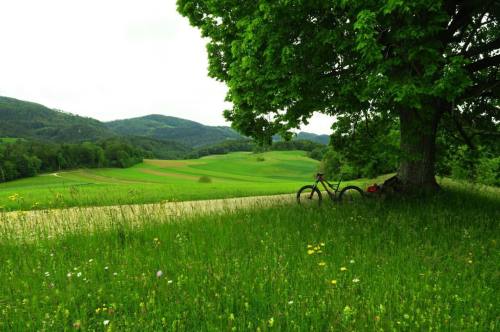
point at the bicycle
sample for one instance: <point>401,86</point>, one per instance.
<point>310,194</point>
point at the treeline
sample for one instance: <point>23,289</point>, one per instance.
<point>22,158</point>
<point>315,149</point>
<point>222,148</point>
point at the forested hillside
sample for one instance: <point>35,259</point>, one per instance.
<point>168,134</point>
<point>162,136</point>
<point>30,120</point>
<point>162,127</point>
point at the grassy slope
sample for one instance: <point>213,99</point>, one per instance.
<point>235,174</point>
<point>416,265</point>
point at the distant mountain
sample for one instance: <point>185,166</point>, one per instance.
<point>321,139</point>
<point>161,136</point>
<point>304,136</point>
<point>162,127</point>
<point>22,119</point>
<point>30,120</point>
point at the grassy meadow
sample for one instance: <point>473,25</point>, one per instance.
<point>218,176</point>
<point>378,265</point>
<point>428,264</point>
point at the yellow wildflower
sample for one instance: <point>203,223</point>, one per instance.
<point>343,269</point>
<point>333,282</point>
<point>310,252</point>
<point>14,197</point>
<point>322,264</point>
<point>322,244</point>
<point>309,246</point>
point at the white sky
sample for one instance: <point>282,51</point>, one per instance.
<point>111,59</point>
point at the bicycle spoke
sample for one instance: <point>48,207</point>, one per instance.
<point>351,196</point>
<point>308,197</point>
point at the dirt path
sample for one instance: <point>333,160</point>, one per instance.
<point>32,225</point>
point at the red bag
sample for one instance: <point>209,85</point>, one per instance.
<point>373,189</point>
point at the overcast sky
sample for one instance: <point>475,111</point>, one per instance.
<point>110,59</point>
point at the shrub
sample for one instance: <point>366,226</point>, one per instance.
<point>205,179</point>
<point>488,171</point>
<point>317,153</point>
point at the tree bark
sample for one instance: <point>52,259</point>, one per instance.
<point>418,148</point>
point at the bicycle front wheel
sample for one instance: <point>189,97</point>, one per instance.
<point>351,194</point>
<point>309,196</point>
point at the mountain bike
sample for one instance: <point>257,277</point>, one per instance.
<point>311,194</point>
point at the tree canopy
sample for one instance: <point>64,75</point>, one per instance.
<point>426,62</point>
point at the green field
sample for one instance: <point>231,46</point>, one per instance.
<point>9,140</point>
<point>378,265</point>
<point>231,175</point>
<point>429,264</point>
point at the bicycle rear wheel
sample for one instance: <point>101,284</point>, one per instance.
<point>309,196</point>
<point>351,194</point>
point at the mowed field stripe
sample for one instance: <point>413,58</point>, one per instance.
<point>166,174</point>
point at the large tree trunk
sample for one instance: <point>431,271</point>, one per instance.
<point>418,147</point>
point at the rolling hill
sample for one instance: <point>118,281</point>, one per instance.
<point>162,127</point>
<point>162,136</point>
<point>24,119</point>
<point>29,120</point>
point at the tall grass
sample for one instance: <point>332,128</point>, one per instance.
<point>393,265</point>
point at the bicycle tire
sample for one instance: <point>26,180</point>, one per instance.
<point>351,194</point>
<point>314,191</point>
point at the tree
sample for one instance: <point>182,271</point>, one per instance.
<point>422,62</point>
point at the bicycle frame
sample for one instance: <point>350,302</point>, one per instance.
<point>331,189</point>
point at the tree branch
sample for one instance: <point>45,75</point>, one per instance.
<point>461,19</point>
<point>461,130</point>
<point>495,44</point>
<point>478,89</point>
<point>464,17</point>
<point>485,133</point>
<point>483,63</point>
